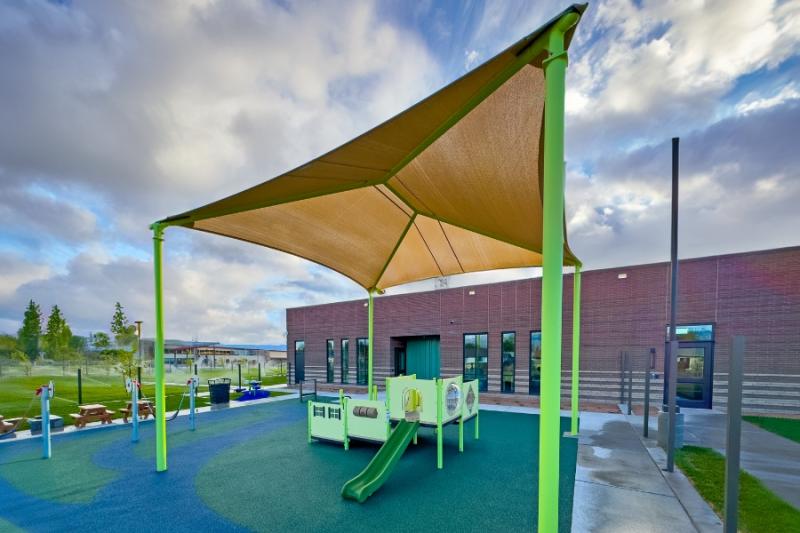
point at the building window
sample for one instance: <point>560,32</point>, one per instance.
<point>694,332</point>
<point>330,359</point>
<point>508,356</point>
<point>534,386</point>
<point>299,361</point>
<point>345,359</point>
<point>362,354</point>
<point>476,359</point>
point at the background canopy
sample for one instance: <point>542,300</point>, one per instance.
<point>451,185</point>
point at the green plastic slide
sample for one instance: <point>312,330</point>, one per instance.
<point>380,467</point>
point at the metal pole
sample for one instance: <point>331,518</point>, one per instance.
<point>158,362</point>
<point>370,319</point>
<point>80,387</point>
<point>139,340</point>
<point>621,376</point>
<point>192,388</point>
<point>630,382</point>
<point>576,347</point>
<point>734,435</point>
<point>139,374</point>
<point>672,375</point>
<point>259,371</point>
<point>555,69</point>
<point>135,411</point>
<point>46,449</point>
<point>647,376</point>
<point>240,374</point>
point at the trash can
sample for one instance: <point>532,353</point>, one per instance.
<point>219,390</point>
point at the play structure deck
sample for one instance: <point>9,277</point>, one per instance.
<point>410,403</point>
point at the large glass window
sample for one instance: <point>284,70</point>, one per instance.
<point>345,359</point>
<point>299,361</point>
<point>508,352</point>
<point>476,359</point>
<point>362,354</point>
<point>534,386</point>
<point>330,358</point>
<point>694,332</point>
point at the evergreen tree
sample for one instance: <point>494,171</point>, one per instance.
<point>120,325</point>
<point>57,336</point>
<point>30,331</point>
<point>125,339</point>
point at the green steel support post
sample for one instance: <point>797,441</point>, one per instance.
<point>310,416</point>
<point>343,401</point>
<point>439,432</point>
<point>555,68</point>
<point>461,433</point>
<point>161,421</point>
<point>478,413</point>
<point>576,346</point>
<point>370,313</point>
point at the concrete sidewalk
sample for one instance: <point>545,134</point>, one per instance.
<point>619,487</point>
<point>773,459</point>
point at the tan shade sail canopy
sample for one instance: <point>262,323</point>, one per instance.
<point>451,185</point>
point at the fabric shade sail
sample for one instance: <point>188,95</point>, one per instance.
<point>451,185</point>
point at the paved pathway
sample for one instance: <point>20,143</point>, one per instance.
<point>771,458</point>
<point>619,486</point>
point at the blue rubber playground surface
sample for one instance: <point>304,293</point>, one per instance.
<point>250,469</point>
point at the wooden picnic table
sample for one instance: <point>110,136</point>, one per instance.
<point>91,412</point>
<point>145,408</point>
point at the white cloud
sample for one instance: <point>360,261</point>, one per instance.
<point>752,103</point>
<point>470,59</point>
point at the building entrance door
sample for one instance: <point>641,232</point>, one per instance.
<point>695,374</point>
<point>422,357</point>
<point>399,361</point>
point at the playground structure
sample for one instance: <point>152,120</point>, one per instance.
<point>419,197</point>
<point>411,403</point>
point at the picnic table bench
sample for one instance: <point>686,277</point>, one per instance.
<point>145,408</point>
<point>91,413</point>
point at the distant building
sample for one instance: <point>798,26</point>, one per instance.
<point>491,332</point>
<point>216,354</point>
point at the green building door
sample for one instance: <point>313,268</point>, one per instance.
<point>422,357</point>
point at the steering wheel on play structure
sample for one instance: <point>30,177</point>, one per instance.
<point>51,389</point>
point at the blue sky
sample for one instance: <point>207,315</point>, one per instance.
<point>122,113</point>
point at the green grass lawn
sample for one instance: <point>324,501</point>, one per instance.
<point>107,388</point>
<point>16,393</point>
<point>760,510</point>
<point>785,427</point>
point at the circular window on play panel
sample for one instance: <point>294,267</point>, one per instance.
<point>452,398</point>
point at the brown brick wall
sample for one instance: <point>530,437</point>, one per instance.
<point>754,294</point>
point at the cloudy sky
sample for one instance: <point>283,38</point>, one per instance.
<point>115,114</point>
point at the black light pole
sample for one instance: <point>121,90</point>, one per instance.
<point>671,362</point>
<point>139,340</point>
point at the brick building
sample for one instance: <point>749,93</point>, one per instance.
<point>491,332</point>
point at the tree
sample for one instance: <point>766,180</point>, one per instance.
<point>125,339</point>
<point>101,341</point>
<point>58,336</point>
<point>30,331</point>
<point>8,345</point>
<point>119,322</point>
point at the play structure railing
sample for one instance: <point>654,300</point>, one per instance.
<point>308,394</point>
<point>426,402</point>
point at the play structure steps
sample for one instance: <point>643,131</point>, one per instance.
<point>380,467</point>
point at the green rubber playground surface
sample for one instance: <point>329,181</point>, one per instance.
<point>250,469</point>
